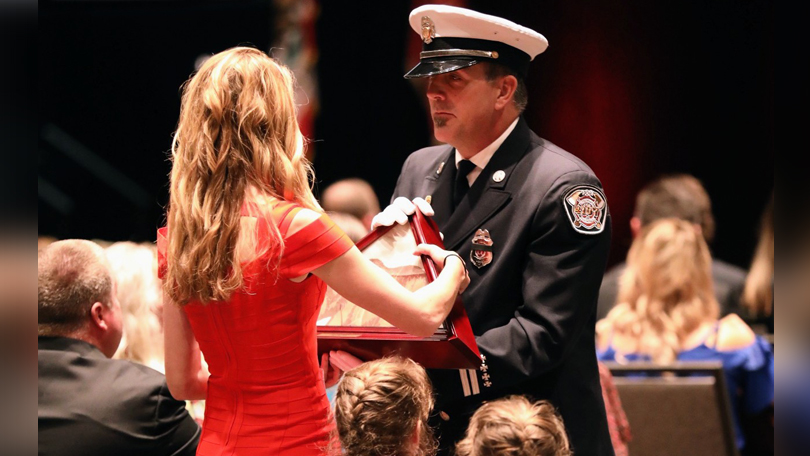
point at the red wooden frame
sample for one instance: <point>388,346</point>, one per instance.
<point>452,346</point>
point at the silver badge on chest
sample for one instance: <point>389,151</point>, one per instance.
<point>481,253</point>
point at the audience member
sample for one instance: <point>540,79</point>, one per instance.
<point>514,426</point>
<point>667,312</point>
<point>134,268</point>
<point>352,196</point>
<point>89,403</point>
<point>350,225</point>
<point>681,196</point>
<point>382,407</point>
<point>758,291</point>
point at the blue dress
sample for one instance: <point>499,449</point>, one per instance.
<point>749,374</point>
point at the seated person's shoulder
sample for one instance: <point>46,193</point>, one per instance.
<point>727,271</point>
<point>734,334</point>
<point>138,375</point>
<point>144,400</point>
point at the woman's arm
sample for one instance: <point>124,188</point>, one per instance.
<point>418,312</point>
<point>186,377</point>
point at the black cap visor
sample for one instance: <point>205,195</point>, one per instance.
<point>427,68</point>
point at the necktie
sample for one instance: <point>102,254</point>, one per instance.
<point>464,168</point>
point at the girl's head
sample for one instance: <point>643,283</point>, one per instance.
<point>514,426</point>
<point>382,407</point>
<point>237,133</point>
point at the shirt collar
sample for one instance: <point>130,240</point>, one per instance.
<point>482,158</point>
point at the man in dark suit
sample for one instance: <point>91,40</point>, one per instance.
<point>680,196</point>
<point>530,218</point>
<point>89,403</point>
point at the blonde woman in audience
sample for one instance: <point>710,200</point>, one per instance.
<point>382,407</point>
<point>134,267</point>
<point>667,312</point>
<point>246,256</point>
<point>515,426</point>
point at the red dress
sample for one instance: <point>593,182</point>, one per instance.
<point>266,394</point>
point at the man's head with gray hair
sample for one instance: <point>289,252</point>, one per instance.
<point>76,295</point>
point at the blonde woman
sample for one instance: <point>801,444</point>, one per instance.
<point>245,257</point>
<point>138,289</point>
<point>515,426</point>
<point>382,407</point>
<point>667,312</point>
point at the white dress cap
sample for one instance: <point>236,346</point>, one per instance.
<point>455,22</point>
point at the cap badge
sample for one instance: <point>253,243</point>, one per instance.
<point>498,176</point>
<point>428,30</point>
<point>587,209</point>
<point>481,253</point>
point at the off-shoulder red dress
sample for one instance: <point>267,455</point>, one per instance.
<point>266,394</point>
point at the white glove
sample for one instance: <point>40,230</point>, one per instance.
<point>399,210</point>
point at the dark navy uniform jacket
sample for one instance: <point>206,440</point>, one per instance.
<point>533,307</point>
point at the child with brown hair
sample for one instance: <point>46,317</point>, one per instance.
<point>514,426</point>
<point>382,407</point>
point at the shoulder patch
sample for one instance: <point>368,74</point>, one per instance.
<point>586,207</point>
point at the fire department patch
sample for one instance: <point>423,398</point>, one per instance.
<point>586,207</point>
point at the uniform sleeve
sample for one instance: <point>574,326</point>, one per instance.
<point>561,278</point>
<point>312,247</point>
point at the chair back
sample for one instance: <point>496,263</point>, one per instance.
<point>676,409</point>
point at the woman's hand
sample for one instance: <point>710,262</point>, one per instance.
<point>442,258</point>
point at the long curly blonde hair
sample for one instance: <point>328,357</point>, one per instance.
<point>380,404</point>
<point>666,292</point>
<point>237,135</point>
<point>515,426</point>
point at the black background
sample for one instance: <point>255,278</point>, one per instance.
<point>636,89</point>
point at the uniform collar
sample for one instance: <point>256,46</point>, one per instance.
<point>487,195</point>
<point>482,158</point>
